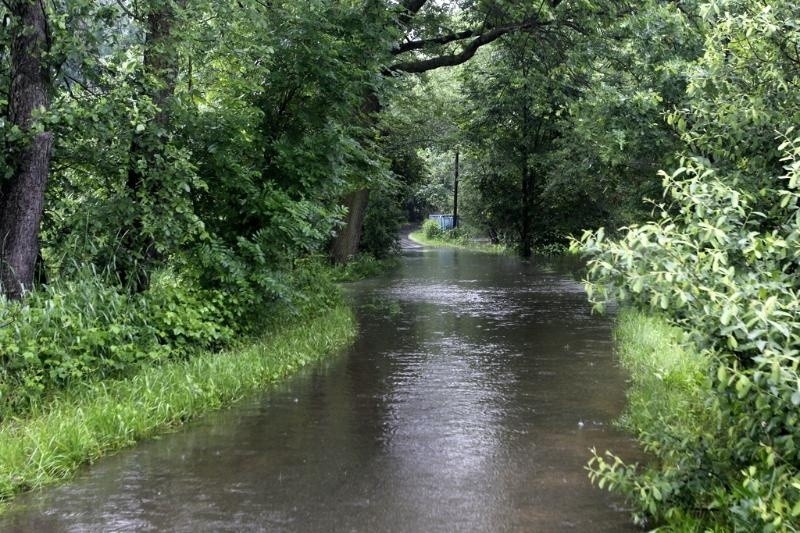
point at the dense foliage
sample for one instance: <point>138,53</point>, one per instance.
<point>560,131</point>
<point>730,283</point>
<point>201,149</point>
<point>170,167</point>
<point>720,261</point>
<point>192,160</point>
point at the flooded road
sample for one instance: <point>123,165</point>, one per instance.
<point>469,402</point>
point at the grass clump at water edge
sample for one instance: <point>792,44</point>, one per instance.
<point>456,240</point>
<point>91,419</point>
<point>667,379</point>
<point>667,399</point>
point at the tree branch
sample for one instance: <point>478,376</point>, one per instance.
<point>413,6</point>
<point>424,65</point>
<point>423,43</point>
<point>131,15</point>
<point>409,8</point>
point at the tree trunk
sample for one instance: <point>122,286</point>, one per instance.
<point>345,245</point>
<point>525,223</point>
<point>161,57</point>
<point>161,65</point>
<point>527,178</point>
<point>22,195</point>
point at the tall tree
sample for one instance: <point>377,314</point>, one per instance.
<point>28,156</point>
<point>429,35</point>
<point>160,62</point>
<point>513,99</point>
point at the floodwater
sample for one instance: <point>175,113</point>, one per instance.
<point>469,402</point>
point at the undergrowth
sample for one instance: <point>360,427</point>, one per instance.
<point>720,264</point>
<point>363,266</point>
<point>85,421</point>
<point>457,239</point>
<point>84,327</point>
<point>667,400</point>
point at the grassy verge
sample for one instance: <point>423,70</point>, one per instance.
<point>419,237</point>
<point>85,422</point>
<point>667,380</point>
<point>363,266</point>
<point>671,415</point>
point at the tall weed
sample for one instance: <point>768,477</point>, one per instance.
<point>86,328</point>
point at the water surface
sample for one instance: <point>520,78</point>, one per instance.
<point>469,402</point>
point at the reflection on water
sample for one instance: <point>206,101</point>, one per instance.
<point>469,403</point>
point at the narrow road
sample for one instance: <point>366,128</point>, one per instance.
<point>405,242</point>
<point>469,403</point>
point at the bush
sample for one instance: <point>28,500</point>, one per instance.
<point>363,266</point>
<point>310,290</point>
<point>382,222</point>
<point>722,264</point>
<point>457,235</point>
<point>86,328</point>
<point>431,229</point>
<point>551,248</point>
<point>184,318</point>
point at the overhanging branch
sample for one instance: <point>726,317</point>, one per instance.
<point>413,6</point>
<point>466,53</point>
<point>424,43</point>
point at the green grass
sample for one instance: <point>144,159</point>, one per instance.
<point>90,420</point>
<point>419,237</point>
<point>363,266</point>
<point>667,380</point>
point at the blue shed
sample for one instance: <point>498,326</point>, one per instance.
<point>445,221</point>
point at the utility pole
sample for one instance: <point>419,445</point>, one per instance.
<point>455,194</point>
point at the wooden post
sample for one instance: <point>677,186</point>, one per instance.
<point>455,195</point>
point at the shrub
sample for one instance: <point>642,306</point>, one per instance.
<point>431,229</point>
<point>86,328</point>
<point>382,222</point>
<point>363,266</point>
<point>551,248</point>
<point>457,235</point>
<point>722,264</point>
<point>184,318</point>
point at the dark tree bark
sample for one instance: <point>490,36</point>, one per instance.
<point>161,66</point>
<point>22,195</point>
<point>525,234</point>
<point>345,245</point>
<point>161,57</point>
<point>419,66</point>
